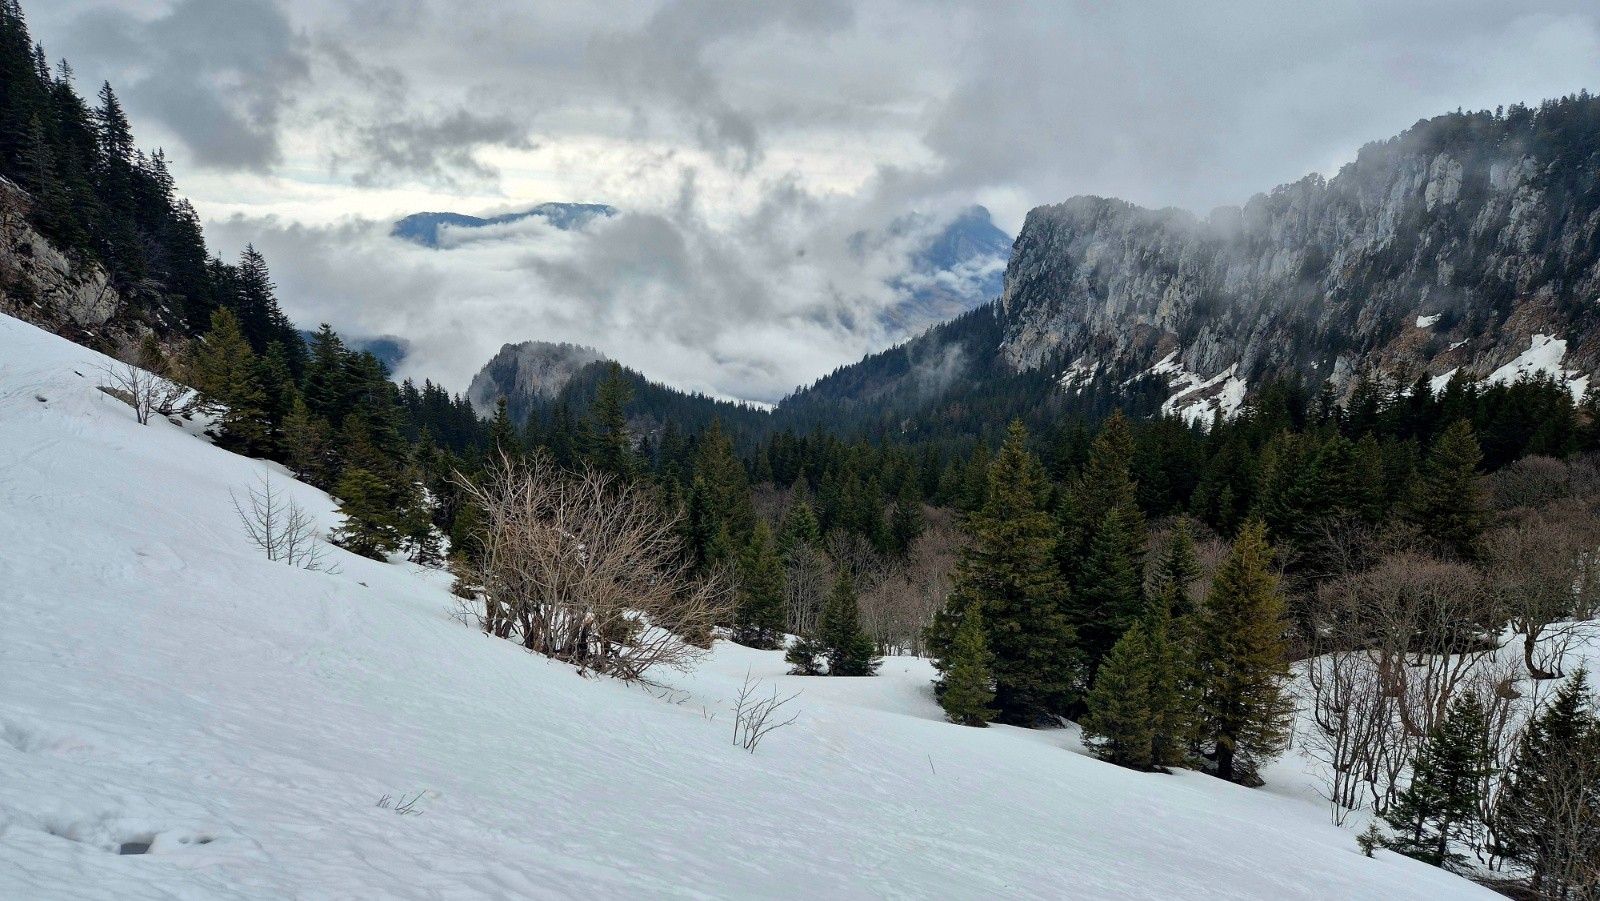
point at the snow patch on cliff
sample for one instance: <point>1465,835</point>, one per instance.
<point>1543,357</point>
<point>1198,399</point>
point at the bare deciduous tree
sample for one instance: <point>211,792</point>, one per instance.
<point>1544,568</point>
<point>1390,648</point>
<point>898,609</point>
<point>587,569</point>
<point>807,575</point>
<point>281,528</point>
<point>146,383</point>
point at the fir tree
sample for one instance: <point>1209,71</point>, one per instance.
<point>1119,724</point>
<point>1169,671</point>
<point>1447,777</point>
<point>1542,820</point>
<point>907,523</point>
<point>227,375</point>
<point>1448,502</point>
<point>968,687</point>
<point>800,527</point>
<point>306,438</point>
<point>761,615</point>
<point>369,527</point>
<point>503,433</point>
<point>1242,662</point>
<point>1010,568</point>
<point>849,649</point>
<point>803,655</point>
<point>610,446</point>
<point>1109,595</point>
<point>1177,570</point>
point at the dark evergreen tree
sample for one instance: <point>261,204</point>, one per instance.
<point>804,656</point>
<point>1546,819</point>
<point>1010,568</point>
<point>503,433</point>
<point>227,375</point>
<point>610,445</point>
<point>1177,571</point>
<point>1447,502</point>
<point>369,527</point>
<point>1109,596</point>
<point>1441,804</point>
<point>907,523</point>
<point>1119,724</point>
<point>761,615</point>
<point>850,651</point>
<point>1170,676</point>
<point>1242,662</point>
<point>968,689</point>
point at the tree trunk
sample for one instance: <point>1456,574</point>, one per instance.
<point>1225,761</point>
<point>1528,643</point>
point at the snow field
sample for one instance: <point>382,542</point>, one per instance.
<point>162,683</point>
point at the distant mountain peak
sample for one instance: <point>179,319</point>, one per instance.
<point>521,372</point>
<point>423,228</point>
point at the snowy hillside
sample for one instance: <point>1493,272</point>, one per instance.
<point>163,684</point>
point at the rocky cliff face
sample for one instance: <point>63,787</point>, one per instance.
<point>1471,243</point>
<point>523,372</point>
<point>42,285</point>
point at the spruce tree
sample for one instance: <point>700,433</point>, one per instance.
<point>1119,724</point>
<point>799,527</point>
<point>726,483</point>
<point>761,616</point>
<point>907,523</point>
<point>1242,662</point>
<point>1447,777</point>
<point>849,649</point>
<point>1447,501</point>
<point>1010,568</point>
<point>1106,485</point>
<point>1177,570</point>
<point>969,677</point>
<point>306,438</point>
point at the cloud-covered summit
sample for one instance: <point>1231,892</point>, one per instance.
<point>747,143</point>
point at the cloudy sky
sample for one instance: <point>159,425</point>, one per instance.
<point>746,141</point>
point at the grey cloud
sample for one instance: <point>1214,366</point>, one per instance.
<point>664,62</point>
<point>441,150</point>
<point>218,73</point>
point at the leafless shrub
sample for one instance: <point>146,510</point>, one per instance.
<point>406,807</point>
<point>281,528</point>
<point>1544,568</point>
<point>755,716</point>
<point>143,382</point>
<point>587,569</point>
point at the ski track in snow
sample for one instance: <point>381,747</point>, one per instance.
<point>161,683</point>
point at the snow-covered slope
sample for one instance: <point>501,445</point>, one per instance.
<point>162,683</point>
